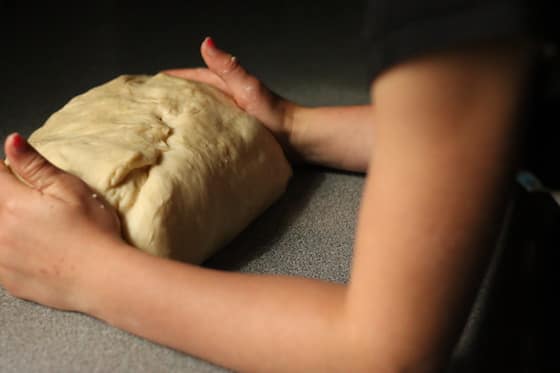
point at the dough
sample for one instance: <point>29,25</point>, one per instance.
<point>185,168</point>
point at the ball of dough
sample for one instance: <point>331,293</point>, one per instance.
<point>185,168</point>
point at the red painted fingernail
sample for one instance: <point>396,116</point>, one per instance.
<point>210,42</point>
<point>20,144</point>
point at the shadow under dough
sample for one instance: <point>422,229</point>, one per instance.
<point>269,227</point>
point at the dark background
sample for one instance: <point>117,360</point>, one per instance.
<point>307,51</point>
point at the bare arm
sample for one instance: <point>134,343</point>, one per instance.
<point>250,323</point>
<point>339,137</point>
<point>442,143</point>
<point>440,170</point>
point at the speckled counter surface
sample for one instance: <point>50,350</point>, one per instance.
<point>51,54</point>
<point>308,232</point>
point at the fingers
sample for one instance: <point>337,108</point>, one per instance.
<point>28,164</point>
<point>200,75</point>
<point>245,88</point>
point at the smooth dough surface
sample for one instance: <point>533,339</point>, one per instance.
<point>185,168</point>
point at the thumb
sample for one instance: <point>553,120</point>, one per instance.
<point>244,87</point>
<point>223,64</point>
<point>28,165</point>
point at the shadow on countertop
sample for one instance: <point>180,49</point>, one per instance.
<point>269,227</point>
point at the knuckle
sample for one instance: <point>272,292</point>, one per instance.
<point>10,211</point>
<point>34,165</point>
<point>231,65</point>
<point>250,94</point>
<point>9,206</point>
<point>253,89</point>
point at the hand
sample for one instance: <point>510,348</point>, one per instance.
<point>50,229</point>
<point>225,73</point>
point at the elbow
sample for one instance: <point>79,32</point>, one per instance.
<point>364,353</point>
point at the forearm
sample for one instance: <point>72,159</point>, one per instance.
<point>245,322</point>
<point>338,137</point>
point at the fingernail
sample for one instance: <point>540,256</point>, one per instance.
<point>210,42</point>
<point>20,144</point>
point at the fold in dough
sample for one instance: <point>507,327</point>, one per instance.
<point>185,168</point>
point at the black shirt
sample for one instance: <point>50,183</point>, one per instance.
<point>397,30</point>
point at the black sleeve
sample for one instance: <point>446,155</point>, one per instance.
<point>397,30</point>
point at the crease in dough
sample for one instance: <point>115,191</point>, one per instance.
<point>186,169</point>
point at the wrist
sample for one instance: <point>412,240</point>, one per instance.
<point>98,274</point>
<point>291,130</point>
